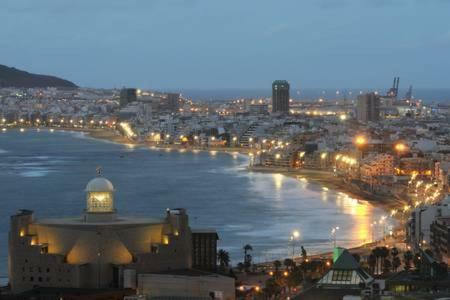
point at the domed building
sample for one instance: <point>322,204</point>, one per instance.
<point>101,248</point>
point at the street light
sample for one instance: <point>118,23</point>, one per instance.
<point>295,235</point>
<point>334,234</point>
<point>360,140</point>
<point>400,147</point>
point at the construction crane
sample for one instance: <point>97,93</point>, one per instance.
<point>393,91</point>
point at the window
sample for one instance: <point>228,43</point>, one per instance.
<point>31,278</point>
<point>154,249</point>
<point>342,275</point>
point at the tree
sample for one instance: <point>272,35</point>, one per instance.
<point>377,253</point>
<point>240,267</point>
<point>387,266</point>
<point>394,252</point>
<point>407,258</point>
<point>396,263</point>
<point>372,262</point>
<point>395,259</point>
<point>272,288</point>
<point>289,263</point>
<point>247,248</point>
<point>384,253</point>
<point>247,257</point>
<point>223,257</point>
<point>277,265</point>
<point>304,254</point>
<point>416,260</point>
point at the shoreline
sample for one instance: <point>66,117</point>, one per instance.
<point>324,178</point>
<point>327,179</point>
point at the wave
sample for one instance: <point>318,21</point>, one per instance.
<point>3,151</point>
<point>37,172</point>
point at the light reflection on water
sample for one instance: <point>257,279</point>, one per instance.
<point>244,207</point>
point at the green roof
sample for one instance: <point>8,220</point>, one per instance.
<point>345,261</point>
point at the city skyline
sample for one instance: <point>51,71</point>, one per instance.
<point>197,44</point>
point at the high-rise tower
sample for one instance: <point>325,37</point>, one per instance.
<point>280,97</point>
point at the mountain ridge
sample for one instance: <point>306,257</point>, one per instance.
<point>12,77</point>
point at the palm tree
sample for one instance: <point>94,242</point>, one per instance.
<point>372,262</point>
<point>377,253</point>
<point>223,257</point>
<point>416,260</point>
<point>247,248</point>
<point>395,259</point>
<point>407,257</point>
<point>396,263</point>
<point>247,257</point>
<point>240,267</point>
<point>277,265</point>
<point>304,254</point>
<point>289,263</point>
<point>387,266</point>
<point>384,253</point>
<point>394,252</point>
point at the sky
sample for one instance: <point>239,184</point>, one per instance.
<point>246,44</point>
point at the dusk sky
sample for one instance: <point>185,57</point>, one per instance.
<point>211,44</point>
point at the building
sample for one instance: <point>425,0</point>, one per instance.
<point>368,108</point>
<point>345,273</point>
<point>440,238</point>
<point>280,97</point>
<point>96,249</point>
<point>204,255</point>
<point>421,219</point>
<point>442,174</point>
<point>173,102</point>
<point>258,108</point>
<point>186,285</point>
<point>376,165</point>
<point>127,95</point>
<point>344,280</point>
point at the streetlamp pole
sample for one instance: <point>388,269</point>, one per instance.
<point>295,235</point>
<point>334,234</point>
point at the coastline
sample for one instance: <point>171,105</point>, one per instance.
<point>326,179</point>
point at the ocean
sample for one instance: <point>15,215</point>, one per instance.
<point>47,172</point>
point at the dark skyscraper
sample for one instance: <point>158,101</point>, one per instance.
<point>280,96</point>
<point>173,102</point>
<point>127,95</point>
<point>368,108</point>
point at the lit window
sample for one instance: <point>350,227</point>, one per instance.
<point>100,202</point>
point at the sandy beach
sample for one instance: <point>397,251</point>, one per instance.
<point>324,178</point>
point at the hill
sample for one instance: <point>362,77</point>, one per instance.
<point>12,77</point>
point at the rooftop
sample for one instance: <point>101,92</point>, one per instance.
<point>79,221</point>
